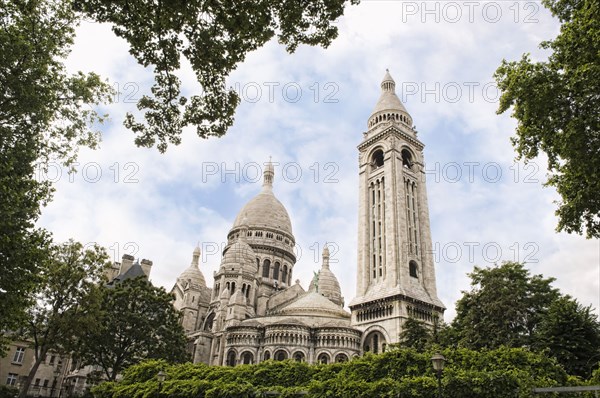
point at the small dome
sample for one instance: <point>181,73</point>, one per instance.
<point>193,274</point>
<point>314,304</point>
<point>240,254</point>
<point>329,286</point>
<point>325,282</point>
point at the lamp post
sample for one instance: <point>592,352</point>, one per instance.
<point>161,376</point>
<point>438,362</point>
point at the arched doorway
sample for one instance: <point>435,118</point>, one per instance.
<point>230,358</point>
<point>374,342</point>
<point>247,358</point>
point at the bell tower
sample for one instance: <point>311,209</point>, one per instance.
<point>396,275</point>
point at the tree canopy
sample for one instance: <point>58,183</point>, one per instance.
<point>555,103</point>
<point>214,37</point>
<point>44,116</point>
<point>571,334</point>
<point>136,321</point>
<point>504,306</point>
<point>509,307</point>
<point>66,301</point>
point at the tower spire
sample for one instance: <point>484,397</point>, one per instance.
<point>196,256</point>
<point>325,257</point>
<point>388,84</point>
<point>389,108</point>
<point>268,175</point>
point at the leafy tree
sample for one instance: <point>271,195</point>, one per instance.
<point>137,321</point>
<point>504,307</point>
<point>65,302</point>
<point>571,333</point>
<point>556,105</point>
<point>214,37</point>
<point>415,334</point>
<point>45,115</point>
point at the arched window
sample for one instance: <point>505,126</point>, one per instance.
<point>232,288</point>
<point>276,271</point>
<point>299,356</point>
<point>377,158</point>
<point>341,358</point>
<point>247,291</point>
<point>284,277</point>
<point>407,159</point>
<point>247,358</point>
<point>323,358</point>
<point>266,268</point>
<point>209,322</point>
<point>267,355</point>
<point>413,269</point>
<point>280,355</point>
<point>231,358</point>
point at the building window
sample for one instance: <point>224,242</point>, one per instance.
<point>323,358</point>
<point>377,159</point>
<point>412,269</point>
<point>299,356</point>
<point>37,382</point>
<point>276,271</point>
<point>46,382</point>
<point>341,358</point>
<point>284,278</point>
<point>11,380</point>
<point>231,358</point>
<point>19,355</point>
<point>266,268</point>
<point>280,355</point>
<point>406,159</point>
<point>267,355</point>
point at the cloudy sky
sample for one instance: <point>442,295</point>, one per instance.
<point>308,111</point>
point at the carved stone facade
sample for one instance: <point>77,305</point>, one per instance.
<point>254,312</point>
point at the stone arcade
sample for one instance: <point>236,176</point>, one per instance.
<point>255,311</point>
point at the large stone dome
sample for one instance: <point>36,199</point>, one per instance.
<point>264,210</point>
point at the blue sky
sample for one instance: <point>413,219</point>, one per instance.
<point>484,208</point>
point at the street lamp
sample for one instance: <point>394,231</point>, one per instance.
<point>161,376</point>
<point>438,362</point>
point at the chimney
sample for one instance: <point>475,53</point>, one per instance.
<point>126,263</point>
<point>146,266</point>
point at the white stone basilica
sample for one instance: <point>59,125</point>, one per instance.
<point>254,312</point>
